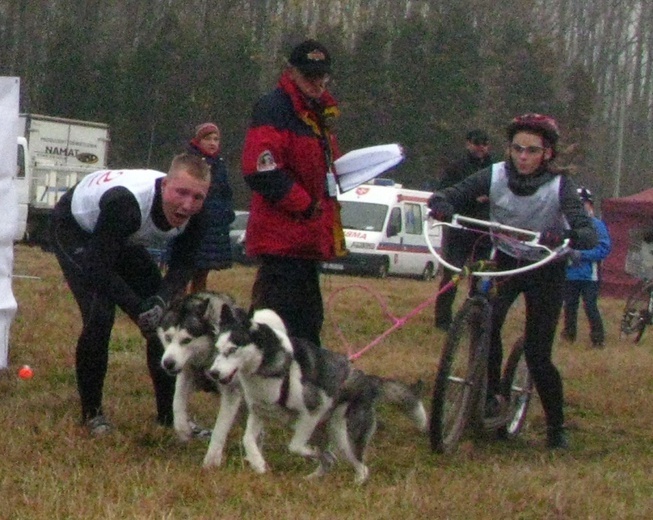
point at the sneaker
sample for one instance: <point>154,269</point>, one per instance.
<point>597,344</point>
<point>198,432</point>
<point>556,438</point>
<point>98,426</point>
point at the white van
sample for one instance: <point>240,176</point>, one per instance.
<point>383,225</point>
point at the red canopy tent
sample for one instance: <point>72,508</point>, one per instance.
<point>621,215</point>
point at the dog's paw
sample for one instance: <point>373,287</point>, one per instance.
<point>305,451</point>
<point>361,474</point>
<point>184,433</point>
<point>258,466</point>
<point>212,460</point>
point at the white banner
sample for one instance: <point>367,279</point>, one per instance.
<point>9,97</point>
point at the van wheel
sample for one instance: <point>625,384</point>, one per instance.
<point>383,269</point>
<point>429,272</point>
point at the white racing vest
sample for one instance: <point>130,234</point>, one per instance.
<point>536,212</point>
<point>85,204</point>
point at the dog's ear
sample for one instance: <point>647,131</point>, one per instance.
<point>227,318</point>
<point>203,306</point>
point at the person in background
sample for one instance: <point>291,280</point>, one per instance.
<point>528,192</point>
<point>101,229</point>
<point>460,245</point>
<point>215,250</point>
<point>294,221</point>
<point>583,280</point>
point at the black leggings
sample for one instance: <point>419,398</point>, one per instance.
<point>543,292</point>
<point>137,268</point>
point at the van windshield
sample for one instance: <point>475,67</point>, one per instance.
<point>363,216</point>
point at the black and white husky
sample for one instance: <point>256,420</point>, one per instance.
<point>188,332</point>
<point>315,390</point>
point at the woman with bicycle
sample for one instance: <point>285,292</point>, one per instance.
<point>528,192</point>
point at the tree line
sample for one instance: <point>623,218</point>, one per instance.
<point>416,72</point>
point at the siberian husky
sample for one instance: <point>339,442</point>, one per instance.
<point>315,390</point>
<point>188,332</point>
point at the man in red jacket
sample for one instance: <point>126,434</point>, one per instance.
<point>294,221</point>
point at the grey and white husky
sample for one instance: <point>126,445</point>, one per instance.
<point>188,332</point>
<point>315,390</point>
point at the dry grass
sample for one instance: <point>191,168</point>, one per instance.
<point>51,470</point>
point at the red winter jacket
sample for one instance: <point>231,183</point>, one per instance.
<point>285,164</point>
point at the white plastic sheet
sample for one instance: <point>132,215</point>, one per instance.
<point>9,96</point>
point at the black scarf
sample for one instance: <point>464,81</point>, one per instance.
<point>525,185</point>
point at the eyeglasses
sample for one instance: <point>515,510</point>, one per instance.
<point>529,150</point>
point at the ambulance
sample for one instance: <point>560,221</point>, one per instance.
<point>383,225</point>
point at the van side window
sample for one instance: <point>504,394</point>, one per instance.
<point>20,163</point>
<point>394,222</point>
<point>413,219</point>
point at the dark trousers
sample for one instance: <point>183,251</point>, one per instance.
<point>542,290</point>
<point>140,272</point>
<point>459,246</point>
<point>588,290</point>
<point>291,287</point>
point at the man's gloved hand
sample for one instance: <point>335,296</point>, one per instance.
<point>552,237</point>
<point>151,313</point>
<point>574,256</point>
<point>440,208</point>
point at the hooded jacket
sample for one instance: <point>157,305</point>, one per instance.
<point>287,153</point>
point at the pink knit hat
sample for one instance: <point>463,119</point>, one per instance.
<point>201,131</point>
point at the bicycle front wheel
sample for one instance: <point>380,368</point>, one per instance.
<point>459,374</point>
<point>636,314</point>
<point>517,389</point>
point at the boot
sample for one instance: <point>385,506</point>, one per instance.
<point>556,438</point>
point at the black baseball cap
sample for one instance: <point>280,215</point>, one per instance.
<point>311,58</point>
<point>478,136</point>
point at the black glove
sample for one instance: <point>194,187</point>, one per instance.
<point>151,313</point>
<point>440,208</point>
<point>552,237</point>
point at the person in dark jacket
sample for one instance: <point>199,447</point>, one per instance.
<point>583,279</point>
<point>215,250</point>
<point>101,229</point>
<point>459,245</point>
<point>528,192</point>
<point>294,221</point>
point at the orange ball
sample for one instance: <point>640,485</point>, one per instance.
<point>25,372</point>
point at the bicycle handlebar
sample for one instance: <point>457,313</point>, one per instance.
<point>459,221</point>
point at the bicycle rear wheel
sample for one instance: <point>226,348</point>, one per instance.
<point>517,389</point>
<point>636,314</point>
<point>459,374</point>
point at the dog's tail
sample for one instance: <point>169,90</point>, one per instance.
<point>408,398</point>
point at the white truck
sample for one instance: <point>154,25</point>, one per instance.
<point>383,225</point>
<point>53,154</point>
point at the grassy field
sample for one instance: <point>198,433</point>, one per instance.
<point>50,469</point>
